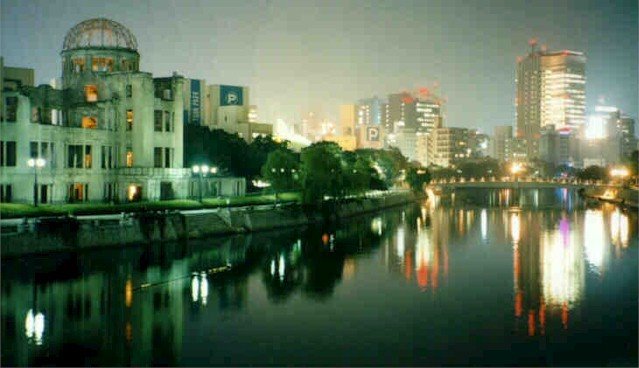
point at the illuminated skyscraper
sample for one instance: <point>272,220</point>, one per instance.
<point>551,90</point>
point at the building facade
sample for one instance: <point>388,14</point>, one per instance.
<point>550,90</point>
<point>112,133</point>
<point>448,145</point>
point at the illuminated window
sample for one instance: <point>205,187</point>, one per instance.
<point>129,119</point>
<point>89,122</point>
<point>78,65</point>
<point>88,158</point>
<point>134,192</point>
<point>91,93</point>
<point>102,64</point>
<point>129,157</point>
<point>78,192</point>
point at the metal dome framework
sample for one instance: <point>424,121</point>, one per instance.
<point>100,33</point>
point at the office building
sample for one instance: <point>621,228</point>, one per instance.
<point>502,134</point>
<point>370,111</point>
<point>555,146</point>
<point>347,119</point>
<point>550,90</point>
<point>448,145</point>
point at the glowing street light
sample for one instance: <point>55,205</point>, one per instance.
<point>36,163</point>
<point>201,171</point>
<point>619,172</point>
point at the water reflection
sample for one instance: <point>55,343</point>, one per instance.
<point>153,305</point>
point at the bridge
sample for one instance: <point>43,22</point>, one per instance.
<point>519,183</point>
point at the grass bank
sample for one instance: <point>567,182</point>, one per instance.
<point>17,210</point>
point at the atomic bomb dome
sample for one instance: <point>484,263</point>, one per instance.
<point>99,33</point>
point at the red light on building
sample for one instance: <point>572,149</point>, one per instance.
<point>532,41</point>
<point>424,91</point>
<point>407,100</point>
<point>520,59</point>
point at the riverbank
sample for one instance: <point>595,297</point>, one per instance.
<point>627,197</point>
<point>74,233</point>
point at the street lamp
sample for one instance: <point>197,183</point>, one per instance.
<point>619,172</point>
<point>200,171</point>
<point>36,163</point>
<point>516,168</point>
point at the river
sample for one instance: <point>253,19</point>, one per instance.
<point>485,277</point>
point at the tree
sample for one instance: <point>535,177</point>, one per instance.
<point>321,172</point>
<point>593,173</point>
<point>281,170</point>
<point>417,177</point>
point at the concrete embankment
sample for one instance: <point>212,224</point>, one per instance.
<point>43,235</point>
<point>628,197</point>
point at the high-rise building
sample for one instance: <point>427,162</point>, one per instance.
<point>347,119</point>
<point>502,134</point>
<point>550,90</point>
<point>370,111</point>
<point>447,145</point>
<point>478,143</point>
<point>555,146</point>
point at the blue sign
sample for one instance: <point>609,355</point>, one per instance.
<point>231,95</point>
<point>195,102</point>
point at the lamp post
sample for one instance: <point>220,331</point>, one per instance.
<point>201,171</point>
<point>36,163</point>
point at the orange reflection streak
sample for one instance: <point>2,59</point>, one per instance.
<point>518,302</point>
<point>542,317</point>
<point>128,332</point>
<point>128,293</point>
<point>564,315</point>
<point>422,276</point>
<point>408,265</point>
<point>531,323</point>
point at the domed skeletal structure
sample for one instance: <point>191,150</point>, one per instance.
<point>99,33</point>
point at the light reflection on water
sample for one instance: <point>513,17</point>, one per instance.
<point>504,275</point>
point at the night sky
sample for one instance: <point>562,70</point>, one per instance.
<point>301,55</point>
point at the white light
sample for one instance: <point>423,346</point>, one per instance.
<point>281,267</point>
<point>484,224</point>
<point>204,288</point>
<point>195,289</point>
<point>214,170</point>
<point>196,169</point>
<point>205,169</point>
<point>34,326</point>
<point>40,162</point>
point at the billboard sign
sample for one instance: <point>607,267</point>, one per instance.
<point>372,134</point>
<point>195,102</point>
<point>231,96</point>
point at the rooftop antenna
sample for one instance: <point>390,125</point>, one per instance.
<point>533,44</point>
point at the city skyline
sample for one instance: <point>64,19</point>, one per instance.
<point>293,55</point>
